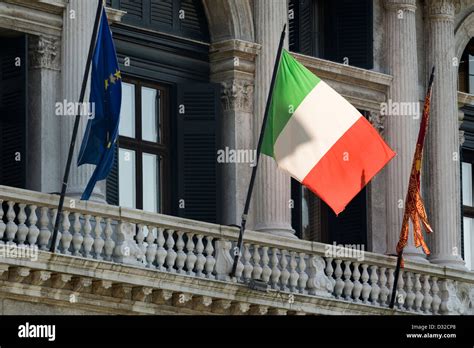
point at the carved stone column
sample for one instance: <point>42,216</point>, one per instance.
<point>233,66</point>
<point>402,124</point>
<point>272,192</point>
<point>43,133</point>
<point>442,175</point>
<point>77,31</point>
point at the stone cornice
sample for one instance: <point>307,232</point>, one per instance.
<point>465,99</point>
<point>30,20</point>
<point>365,89</point>
<point>233,59</point>
<point>48,6</point>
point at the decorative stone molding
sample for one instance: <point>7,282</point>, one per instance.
<point>365,89</point>
<point>43,53</point>
<point>378,121</point>
<point>237,95</point>
<point>404,5</point>
<point>440,9</point>
<point>19,16</point>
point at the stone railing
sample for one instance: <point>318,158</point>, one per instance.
<point>193,248</point>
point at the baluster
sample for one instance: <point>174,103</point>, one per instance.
<point>303,277</point>
<point>366,288</point>
<point>2,224</point>
<point>171,254</point>
<point>418,294</point>
<point>330,271</point>
<point>436,299</point>
<point>98,241</point>
<point>357,289</point>
<point>140,237</point>
<point>348,285</point>
<point>384,291</point>
<point>275,270</point>
<point>33,230</point>
<point>191,257</point>
<point>45,233</point>
<point>375,291</point>
<point>293,274</point>
<point>410,294</point>
<point>248,268</point>
<point>151,247</point>
<point>77,237</point>
<point>161,251</point>
<point>109,244</point>
<point>400,293</point>
<point>257,269</point>
<point>66,236</point>
<point>240,265</point>
<point>181,256</point>
<point>339,284</point>
<point>88,240</point>
<point>210,259</point>
<point>285,274</point>
<point>390,281</point>
<point>200,258</point>
<point>266,270</point>
<point>12,228</point>
<point>22,228</point>
<point>427,297</point>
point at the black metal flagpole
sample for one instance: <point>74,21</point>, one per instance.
<point>76,125</point>
<point>395,281</point>
<point>400,254</point>
<point>237,251</point>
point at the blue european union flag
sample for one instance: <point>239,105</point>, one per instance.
<point>98,145</point>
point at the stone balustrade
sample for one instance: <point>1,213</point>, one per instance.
<point>202,250</point>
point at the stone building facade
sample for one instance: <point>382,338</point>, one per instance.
<point>170,251</point>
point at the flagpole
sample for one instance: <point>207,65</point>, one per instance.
<point>76,125</point>
<point>237,252</point>
<point>400,254</point>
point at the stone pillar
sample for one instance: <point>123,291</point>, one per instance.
<point>44,132</point>
<point>77,31</point>
<point>233,66</point>
<point>401,127</point>
<point>272,191</point>
<point>442,175</point>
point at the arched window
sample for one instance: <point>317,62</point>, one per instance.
<point>466,69</point>
<point>466,85</point>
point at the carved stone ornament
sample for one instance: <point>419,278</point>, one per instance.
<point>43,53</point>
<point>237,95</point>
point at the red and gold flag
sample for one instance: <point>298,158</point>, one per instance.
<point>414,207</point>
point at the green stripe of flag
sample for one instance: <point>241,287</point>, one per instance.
<point>292,84</point>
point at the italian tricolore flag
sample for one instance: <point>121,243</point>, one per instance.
<point>319,138</point>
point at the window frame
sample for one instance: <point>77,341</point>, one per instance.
<point>160,149</point>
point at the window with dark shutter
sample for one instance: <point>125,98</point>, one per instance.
<point>337,30</point>
<point>197,117</point>
<point>13,106</point>
<point>349,32</point>
<point>185,18</point>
